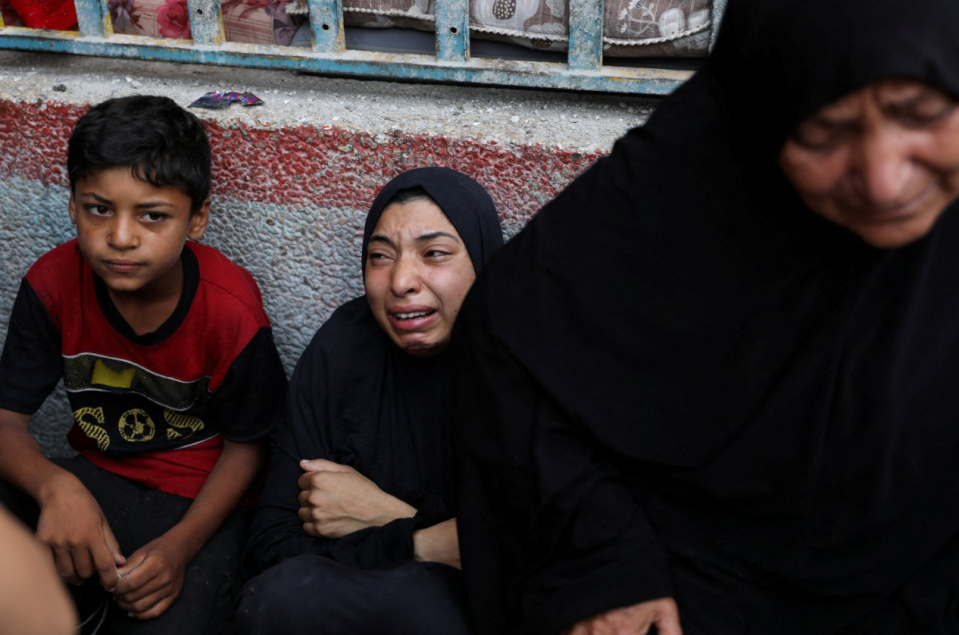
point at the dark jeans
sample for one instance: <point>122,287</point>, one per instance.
<point>313,595</point>
<point>137,515</point>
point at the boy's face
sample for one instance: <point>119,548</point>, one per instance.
<point>132,232</point>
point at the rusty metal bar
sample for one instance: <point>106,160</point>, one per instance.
<point>93,17</point>
<point>495,72</point>
<point>585,34</point>
<point>452,30</point>
<point>206,22</point>
<point>326,22</point>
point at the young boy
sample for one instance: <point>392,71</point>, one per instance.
<point>170,369</point>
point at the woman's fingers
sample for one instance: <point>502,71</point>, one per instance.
<point>323,465</point>
<point>632,620</point>
<point>667,617</point>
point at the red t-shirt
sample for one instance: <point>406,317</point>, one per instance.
<point>153,408</point>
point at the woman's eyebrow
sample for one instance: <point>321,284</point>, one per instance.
<point>380,238</point>
<point>907,101</point>
<point>436,234</point>
<point>916,100</point>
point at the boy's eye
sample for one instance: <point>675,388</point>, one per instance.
<point>154,217</point>
<point>97,210</point>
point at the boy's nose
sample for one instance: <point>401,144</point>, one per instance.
<point>122,233</point>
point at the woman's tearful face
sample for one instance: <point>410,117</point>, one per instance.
<point>417,273</point>
<point>882,161</point>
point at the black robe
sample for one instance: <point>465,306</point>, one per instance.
<point>679,381</point>
<point>357,399</point>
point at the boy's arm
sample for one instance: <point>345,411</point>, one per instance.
<point>71,522</point>
<point>153,576</point>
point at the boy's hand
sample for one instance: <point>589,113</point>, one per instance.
<point>73,526</point>
<point>336,500</point>
<point>152,578</point>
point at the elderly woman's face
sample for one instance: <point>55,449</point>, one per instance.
<point>417,273</point>
<point>882,161</point>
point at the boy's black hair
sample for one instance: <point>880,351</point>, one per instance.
<point>162,143</point>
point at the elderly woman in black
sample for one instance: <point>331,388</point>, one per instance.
<point>712,387</point>
<point>355,530</point>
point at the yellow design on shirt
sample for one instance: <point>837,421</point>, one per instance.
<point>90,428</point>
<point>103,375</point>
<point>188,425</point>
<point>136,425</point>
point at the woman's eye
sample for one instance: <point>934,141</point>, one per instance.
<point>929,112</point>
<point>154,217</point>
<point>436,253</point>
<point>97,210</point>
<point>819,136</point>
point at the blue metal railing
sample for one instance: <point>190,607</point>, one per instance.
<point>584,69</point>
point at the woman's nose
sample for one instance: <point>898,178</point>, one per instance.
<point>406,276</point>
<point>885,168</point>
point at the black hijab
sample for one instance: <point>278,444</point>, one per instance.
<point>464,201</point>
<point>778,394</point>
<point>357,399</point>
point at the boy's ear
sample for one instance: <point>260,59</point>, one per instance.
<point>73,209</point>
<point>199,221</point>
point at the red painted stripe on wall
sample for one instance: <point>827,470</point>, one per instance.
<point>321,166</point>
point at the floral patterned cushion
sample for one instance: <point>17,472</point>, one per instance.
<point>251,21</point>
<point>58,15</point>
<point>10,17</point>
<point>632,28</point>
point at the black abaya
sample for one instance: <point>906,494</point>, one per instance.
<point>357,399</point>
<point>679,381</point>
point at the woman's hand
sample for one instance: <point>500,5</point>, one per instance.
<point>438,543</point>
<point>632,620</point>
<point>336,500</point>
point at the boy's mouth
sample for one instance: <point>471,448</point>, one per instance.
<point>122,266</point>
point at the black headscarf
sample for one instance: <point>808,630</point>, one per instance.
<point>355,398</point>
<point>678,379</point>
<point>464,201</point>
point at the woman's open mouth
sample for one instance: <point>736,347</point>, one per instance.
<point>412,318</point>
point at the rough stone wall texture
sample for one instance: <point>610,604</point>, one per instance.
<point>291,186</point>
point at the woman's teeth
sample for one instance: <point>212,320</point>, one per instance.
<point>411,316</point>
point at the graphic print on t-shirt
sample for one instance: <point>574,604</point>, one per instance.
<point>144,410</point>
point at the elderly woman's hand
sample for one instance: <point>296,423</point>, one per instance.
<point>633,620</point>
<point>336,500</point>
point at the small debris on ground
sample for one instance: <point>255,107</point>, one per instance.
<point>217,99</point>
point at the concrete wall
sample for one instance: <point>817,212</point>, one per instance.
<point>293,178</point>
